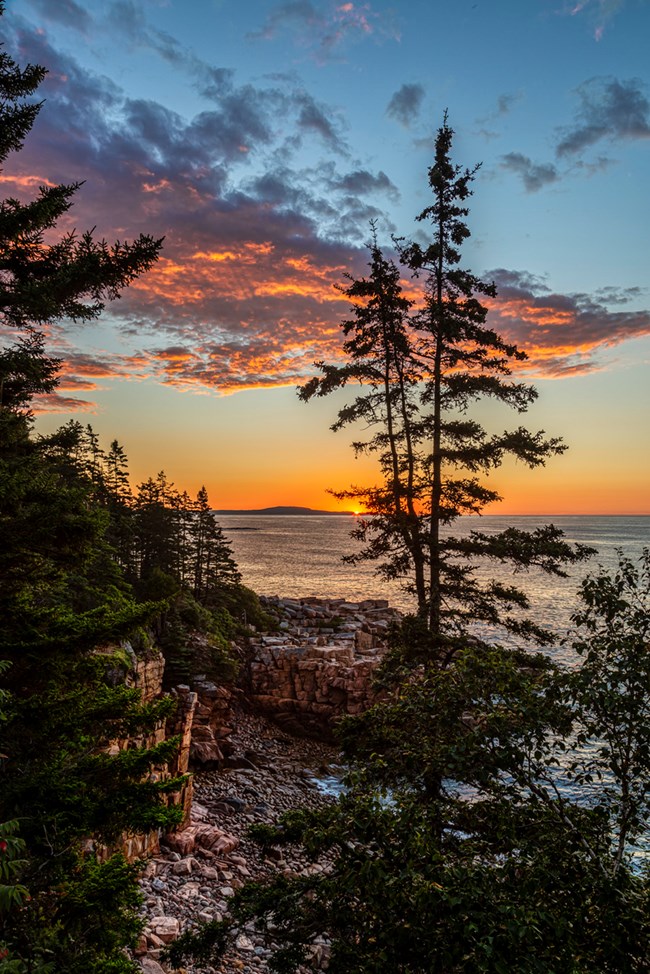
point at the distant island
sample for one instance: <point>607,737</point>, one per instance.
<point>306,511</point>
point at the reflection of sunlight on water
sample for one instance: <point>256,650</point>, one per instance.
<point>301,556</point>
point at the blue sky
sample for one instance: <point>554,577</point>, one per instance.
<point>260,138</point>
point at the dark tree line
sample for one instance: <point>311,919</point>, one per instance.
<point>156,529</point>
<point>81,569</point>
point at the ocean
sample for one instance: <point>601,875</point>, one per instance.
<point>298,556</point>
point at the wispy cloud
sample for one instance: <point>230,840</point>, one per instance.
<point>599,13</point>
<point>534,175</point>
<point>325,30</point>
<point>504,105</point>
<point>609,109</point>
<point>69,13</point>
<point>405,104</point>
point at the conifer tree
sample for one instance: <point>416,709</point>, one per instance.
<point>62,596</point>
<point>157,540</point>
<point>422,368</point>
<point>382,359</point>
<point>72,277</point>
<point>214,566</point>
<point>119,500</point>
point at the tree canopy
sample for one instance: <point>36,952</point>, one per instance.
<point>62,598</point>
<point>495,819</point>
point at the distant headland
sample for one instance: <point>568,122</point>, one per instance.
<point>286,511</point>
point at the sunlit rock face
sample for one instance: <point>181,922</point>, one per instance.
<point>145,673</point>
<point>212,724</point>
<point>320,664</point>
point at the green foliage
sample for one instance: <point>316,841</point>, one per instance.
<point>610,694</point>
<point>63,596</point>
<point>83,924</point>
<point>12,847</point>
<point>243,606</point>
<point>196,639</point>
<point>211,938</point>
<point>172,535</point>
<point>399,899</point>
<point>471,837</point>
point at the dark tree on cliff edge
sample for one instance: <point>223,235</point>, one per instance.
<point>421,369</point>
<point>61,597</point>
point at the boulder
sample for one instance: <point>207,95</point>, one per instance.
<point>165,928</point>
<point>151,966</point>
<point>202,836</point>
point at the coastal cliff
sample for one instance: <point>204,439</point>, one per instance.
<point>320,665</point>
<point>250,753</point>
<point>316,667</point>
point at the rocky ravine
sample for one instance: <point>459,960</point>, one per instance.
<point>250,769</point>
<point>199,869</point>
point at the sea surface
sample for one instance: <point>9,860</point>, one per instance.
<point>302,555</point>
<point>298,556</point>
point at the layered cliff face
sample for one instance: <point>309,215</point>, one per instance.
<point>145,673</point>
<point>317,666</point>
<point>202,723</point>
<point>321,664</point>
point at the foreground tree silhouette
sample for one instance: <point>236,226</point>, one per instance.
<point>382,359</point>
<point>421,370</point>
<point>62,596</point>
<point>524,859</point>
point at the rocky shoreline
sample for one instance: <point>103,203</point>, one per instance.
<point>256,754</point>
<point>200,868</point>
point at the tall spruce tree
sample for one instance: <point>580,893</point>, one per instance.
<point>213,566</point>
<point>421,369</point>
<point>61,597</point>
<point>382,359</point>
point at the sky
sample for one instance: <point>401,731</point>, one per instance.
<point>260,138</point>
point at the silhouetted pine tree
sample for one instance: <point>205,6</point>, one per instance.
<point>61,596</point>
<point>422,368</point>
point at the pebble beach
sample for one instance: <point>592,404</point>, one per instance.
<point>192,879</point>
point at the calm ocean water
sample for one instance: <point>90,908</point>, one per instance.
<point>301,556</point>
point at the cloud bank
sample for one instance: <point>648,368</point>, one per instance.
<point>258,232</point>
<point>404,106</point>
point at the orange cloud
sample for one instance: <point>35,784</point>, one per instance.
<point>260,271</point>
<point>55,403</point>
<point>25,181</point>
<point>156,187</point>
